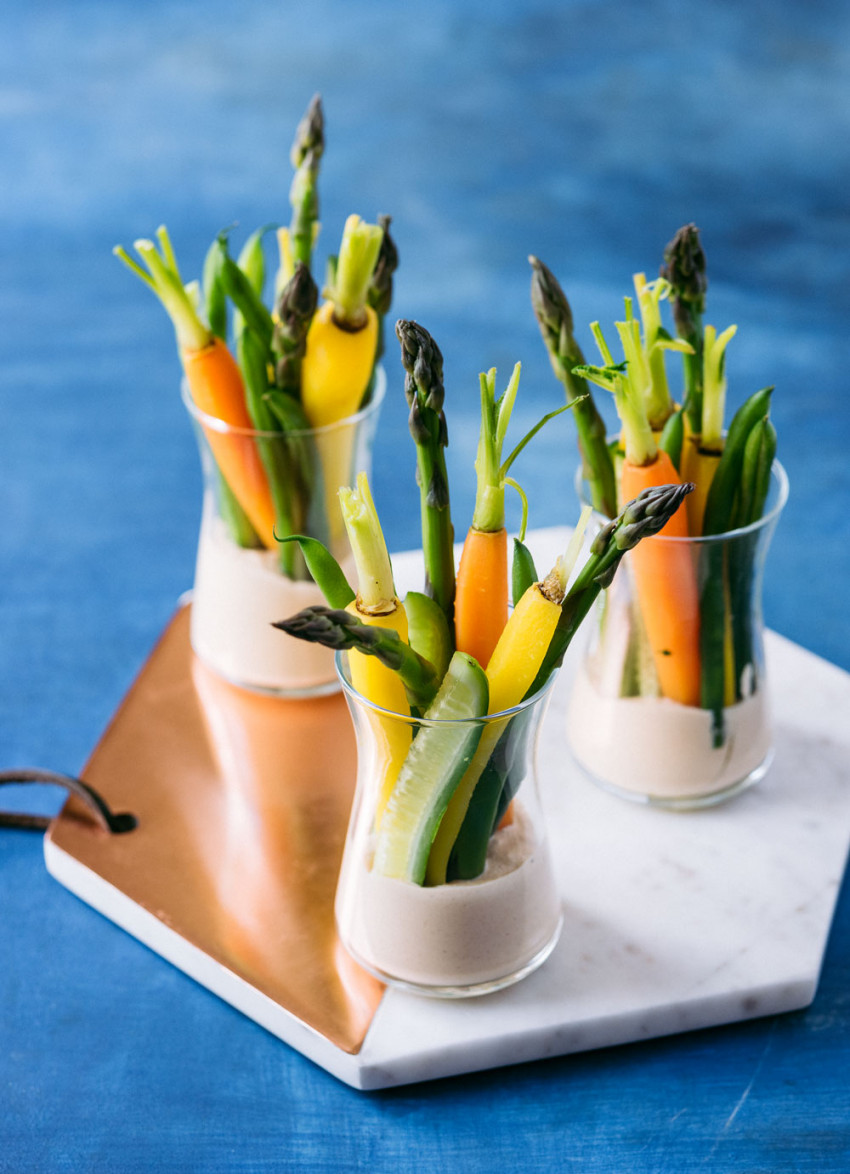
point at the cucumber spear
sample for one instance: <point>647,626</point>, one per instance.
<point>423,387</point>
<point>555,319</point>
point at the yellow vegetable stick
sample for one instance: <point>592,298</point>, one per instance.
<point>337,366</point>
<point>343,336</point>
<point>378,606</point>
<point>340,357</point>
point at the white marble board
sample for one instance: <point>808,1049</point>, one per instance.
<point>673,921</point>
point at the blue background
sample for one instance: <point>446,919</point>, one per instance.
<point>583,132</point>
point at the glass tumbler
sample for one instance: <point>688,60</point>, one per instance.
<point>257,485</point>
<point>686,725</point>
<point>493,914</point>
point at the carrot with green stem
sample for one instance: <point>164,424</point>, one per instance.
<point>654,345</point>
<point>214,381</point>
<point>664,573</point>
<point>481,598</point>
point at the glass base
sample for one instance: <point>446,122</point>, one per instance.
<point>470,990</point>
<point>693,802</point>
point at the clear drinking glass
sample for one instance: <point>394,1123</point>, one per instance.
<point>631,738</point>
<point>245,581</point>
<point>465,936</point>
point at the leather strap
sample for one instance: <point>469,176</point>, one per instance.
<point>117,824</point>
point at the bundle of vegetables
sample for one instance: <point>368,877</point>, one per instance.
<point>443,787</point>
<point>693,605</point>
<point>282,371</point>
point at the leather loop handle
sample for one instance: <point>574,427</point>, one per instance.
<point>117,824</point>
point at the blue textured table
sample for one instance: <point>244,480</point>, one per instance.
<point>583,132</point>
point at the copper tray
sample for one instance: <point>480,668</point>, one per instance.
<point>242,802</point>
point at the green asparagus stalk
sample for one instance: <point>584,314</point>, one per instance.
<point>380,292</point>
<point>423,387</point>
<point>646,515</point>
<point>305,156</point>
<point>684,268</point>
<point>555,319</point>
<point>296,306</point>
<point>341,630</point>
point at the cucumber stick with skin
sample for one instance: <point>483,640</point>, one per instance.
<point>436,762</point>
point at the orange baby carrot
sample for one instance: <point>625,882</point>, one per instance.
<point>215,383</point>
<point>216,387</point>
<point>667,589</point>
<point>665,577</point>
<point>481,598</point>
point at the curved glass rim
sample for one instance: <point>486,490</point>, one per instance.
<point>777,471</point>
<point>214,424</point>
<point>408,718</point>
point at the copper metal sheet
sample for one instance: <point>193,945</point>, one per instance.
<point>242,802</point>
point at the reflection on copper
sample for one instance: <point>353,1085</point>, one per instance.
<point>242,801</point>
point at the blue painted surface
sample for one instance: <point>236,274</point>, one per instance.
<point>584,132</point>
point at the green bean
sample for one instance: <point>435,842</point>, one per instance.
<point>215,298</point>
<point>327,574</point>
<point>718,518</point>
<point>759,453</point>
<point>720,502</point>
<point>523,571</point>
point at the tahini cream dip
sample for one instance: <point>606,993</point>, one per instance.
<point>238,594</point>
<point>458,934</point>
<point>655,746</point>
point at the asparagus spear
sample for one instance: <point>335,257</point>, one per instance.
<point>341,630</point>
<point>646,515</point>
<point>555,319</point>
<point>306,155</point>
<point>684,268</point>
<point>296,306</point>
<point>423,387</point>
<point>380,292</point>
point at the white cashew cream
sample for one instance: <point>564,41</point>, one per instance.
<point>238,594</point>
<point>657,747</point>
<point>455,935</point>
